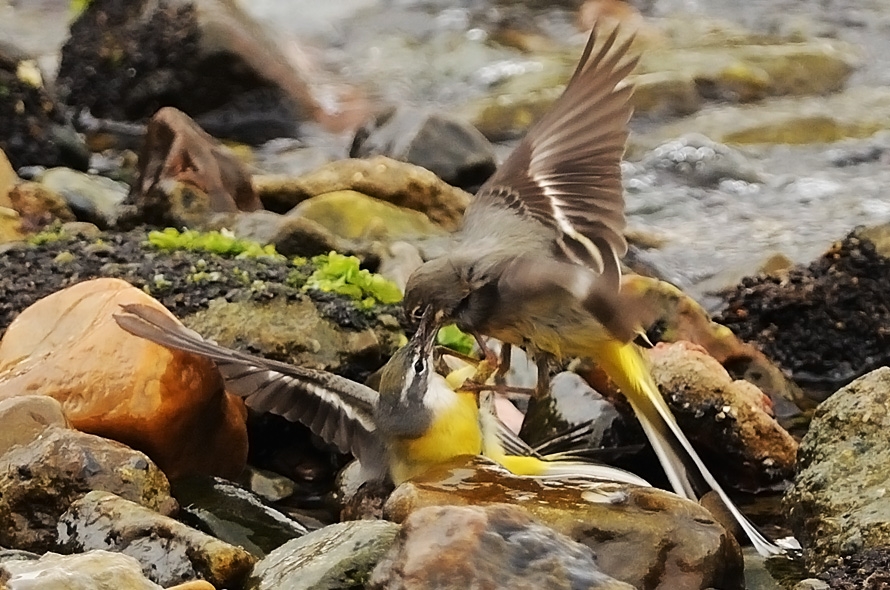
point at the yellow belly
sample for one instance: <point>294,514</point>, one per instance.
<point>455,432</point>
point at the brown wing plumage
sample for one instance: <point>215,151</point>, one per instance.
<point>566,172</point>
<point>338,410</point>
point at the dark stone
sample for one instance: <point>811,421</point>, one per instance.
<point>126,59</point>
<point>451,148</point>
<point>825,323</point>
<point>34,128</point>
<point>233,514</point>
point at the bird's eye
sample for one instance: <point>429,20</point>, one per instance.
<point>419,366</point>
<point>417,313</point>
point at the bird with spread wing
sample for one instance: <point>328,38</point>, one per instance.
<point>536,261</point>
<point>417,419</point>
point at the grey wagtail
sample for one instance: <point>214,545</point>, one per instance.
<point>416,421</point>
<point>536,261</point>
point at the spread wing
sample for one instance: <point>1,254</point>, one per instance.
<point>566,172</point>
<point>338,410</point>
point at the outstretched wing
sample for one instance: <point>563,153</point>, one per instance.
<point>338,410</point>
<point>566,172</point>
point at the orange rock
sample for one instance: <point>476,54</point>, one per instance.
<point>730,419</point>
<point>170,405</point>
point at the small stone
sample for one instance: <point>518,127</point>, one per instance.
<point>811,584</point>
<point>92,198</point>
<point>170,405</point>
<point>39,206</point>
<point>168,551</point>
<point>338,556</point>
<point>95,570</point>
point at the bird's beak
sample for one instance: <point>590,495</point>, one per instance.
<point>427,329</point>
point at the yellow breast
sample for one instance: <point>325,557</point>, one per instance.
<point>455,431</point>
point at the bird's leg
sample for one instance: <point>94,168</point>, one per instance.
<point>488,353</point>
<point>542,387</point>
<point>506,358</point>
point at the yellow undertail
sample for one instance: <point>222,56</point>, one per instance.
<point>626,366</point>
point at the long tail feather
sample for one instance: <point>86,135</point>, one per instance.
<point>625,365</point>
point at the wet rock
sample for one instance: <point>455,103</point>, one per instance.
<point>357,498</point>
<point>185,175</point>
<point>35,128</point>
<point>233,514</point>
<point>824,323</point>
<point>853,153</point>
<point>498,546</point>
<point>199,57</point>
<point>665,94</point>
<point>168,551</point>
<point>338,556</point>
<point>838,506</point>
<point>730,421</point>
<point>38,206</point>
<point>571,404</point>
<point>449,147</point>
<point>742,70</point>
<point>857,112</point>
<point>40,480</point>
<point>23,419</point>
<point>295,332</point>
<point>92,198</point>
<point>401,184</point>
<point>698,161</point>
<point>269,486</point>
<point>353,216</point>
<point>94,570</point>
<point>678,317</point>
<point>643,536</point>
<point>168,404</point>
<point>292,235</point>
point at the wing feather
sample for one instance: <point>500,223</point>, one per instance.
<point>566,172</point>
<point>336,409</point>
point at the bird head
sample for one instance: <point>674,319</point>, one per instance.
<point>440,286</point>
<point>404,381</point>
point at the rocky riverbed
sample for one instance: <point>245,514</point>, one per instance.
<point>316,154</point>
